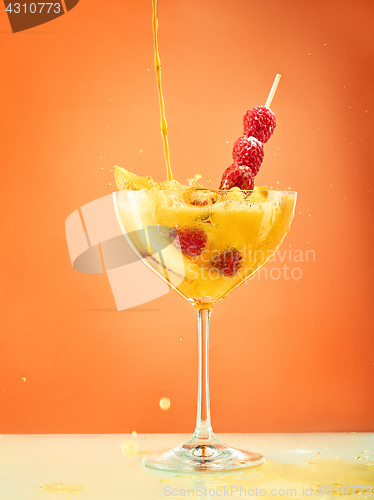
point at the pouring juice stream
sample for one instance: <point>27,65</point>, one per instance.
<point>163,122</point>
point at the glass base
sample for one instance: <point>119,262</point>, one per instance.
<point>204,456</point>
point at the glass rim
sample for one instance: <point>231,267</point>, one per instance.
<point>197,188</point>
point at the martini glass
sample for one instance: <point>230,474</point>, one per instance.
<point>204,244</point>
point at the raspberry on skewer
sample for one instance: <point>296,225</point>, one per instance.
<point>238,176</point>
<point>249,152</point>
<point>259,122</point>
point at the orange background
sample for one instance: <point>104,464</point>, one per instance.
<point>79,94</point>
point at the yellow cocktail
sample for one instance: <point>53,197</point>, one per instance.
<point>205,243</point>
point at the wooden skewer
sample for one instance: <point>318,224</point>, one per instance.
<point>272,91</point>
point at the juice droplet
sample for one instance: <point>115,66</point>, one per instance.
<point>164,403</point>
<point>163,123</point>
<point>192,182</point>
<point>66,488</point>
<point>23,379</point>
<point>129,447</point>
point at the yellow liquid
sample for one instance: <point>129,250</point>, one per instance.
<point>62,487</point>
<point>334,478</point>
<point>163,123</point>
<point>248,226</point>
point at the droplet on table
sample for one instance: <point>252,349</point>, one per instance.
<point>129,447</point>
<point>164,403</point>
<point>66,488</point>
<point>134,433</point>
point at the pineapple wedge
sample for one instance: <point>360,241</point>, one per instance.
<point>127,180</point>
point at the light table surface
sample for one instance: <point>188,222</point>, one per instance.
<point>93,467</point>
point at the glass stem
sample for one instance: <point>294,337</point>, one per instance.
<point>203,426</point>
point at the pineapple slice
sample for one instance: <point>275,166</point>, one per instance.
<point>127,180</point>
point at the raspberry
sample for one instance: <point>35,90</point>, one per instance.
<point>191,241</point>
<point>248,151</point>
<point>237,176</point>
<point>259,122</point>
<point>228,262</point>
